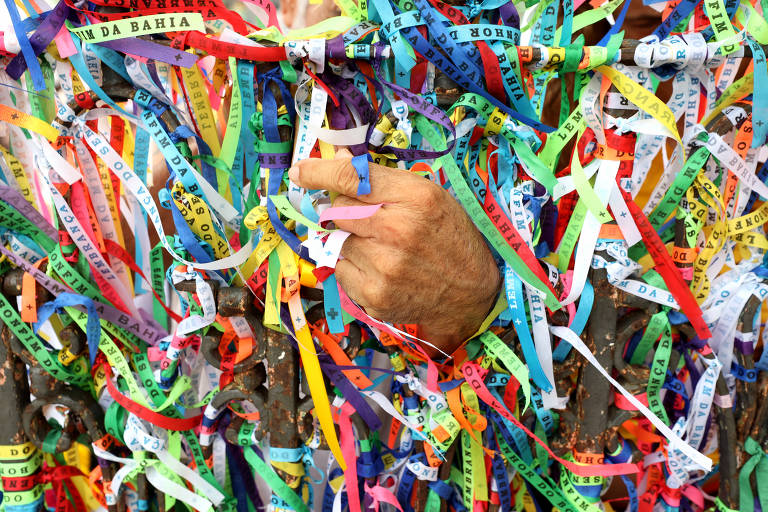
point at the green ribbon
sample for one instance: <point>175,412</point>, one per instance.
<point>157,396</point>
<point>758,462</point>
<point>659,368</point>
<point>542,483</point>
<point>674,193</point>
<point>477,214</point>
<point>75,374</point>
<point>275,483</point>
<point>157,278</point>
<point>433,502</point>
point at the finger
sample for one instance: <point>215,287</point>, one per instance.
<point>362,252</point>
<point>361,227</point>
<point>387,184</point>
<point>351,279</point>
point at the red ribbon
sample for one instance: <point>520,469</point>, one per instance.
<point>148,414</point>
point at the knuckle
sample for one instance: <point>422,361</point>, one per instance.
<point>340,200</point>
<point>344,178</point>
<point>405,228</point>
<point>431,195</point>
<point>391,267</point>
<point>377,296</point>
<point>407,231</point>
<point>392,231</point>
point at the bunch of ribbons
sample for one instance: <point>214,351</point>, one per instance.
<point>174,337</point>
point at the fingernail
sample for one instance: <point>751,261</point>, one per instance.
<point>293,173</point>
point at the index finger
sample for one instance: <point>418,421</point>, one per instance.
<point>339,175</point>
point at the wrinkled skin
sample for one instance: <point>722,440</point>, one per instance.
<point>418,259</point>
<point>301,13</point>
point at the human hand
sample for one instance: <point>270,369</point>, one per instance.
<point>417,260</point>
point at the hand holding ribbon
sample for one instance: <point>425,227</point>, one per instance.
<point>392,257</point>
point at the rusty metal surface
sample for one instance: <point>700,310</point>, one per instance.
<point>14,385</point>
<point>85,415</point>
<point>14,392</point>
<point>745,407</point>
<point>22,375</point>
<point>283,384</point>
<point>268,378</point>
<point>592,396</point>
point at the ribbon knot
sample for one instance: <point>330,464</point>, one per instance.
<point>60,478</point>
<point>50,474</point>
<point>758,462</point>
<point>379,494</point>
<point>752,447</point>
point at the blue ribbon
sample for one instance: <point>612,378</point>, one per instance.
<point>446,66</point>
<point>516,301</point>
<point>360,163</point>
<point>616,26</point>
<point>332,305</point>
<point>52,21</point>
<point>760,95</point>
<point>499,474</point>
<point>328,495</point>
<point>512,434</point>
<point>583,311</point>
<point>92,326</point>
<point>82,70</point>
<point>405,488</point>
<point>38,81</point>
<point>678,14</point>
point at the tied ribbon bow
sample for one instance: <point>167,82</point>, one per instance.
<point>379,494</point>
<point>60,478</point>
<point>67,299</point>
<point>256,218</point>
<point>757,462</point>
<point>51,475</point>
<point>283,458</point>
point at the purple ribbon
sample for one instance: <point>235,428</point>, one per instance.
<point>340,117</point>
<point>40,39</point>
<point>14,198</point>
<point>335,48</point>
<point>745,347</point>
<point>275,160</point>
<point>338,379</point>
<point>150,50</point>
<point>147,332</point>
